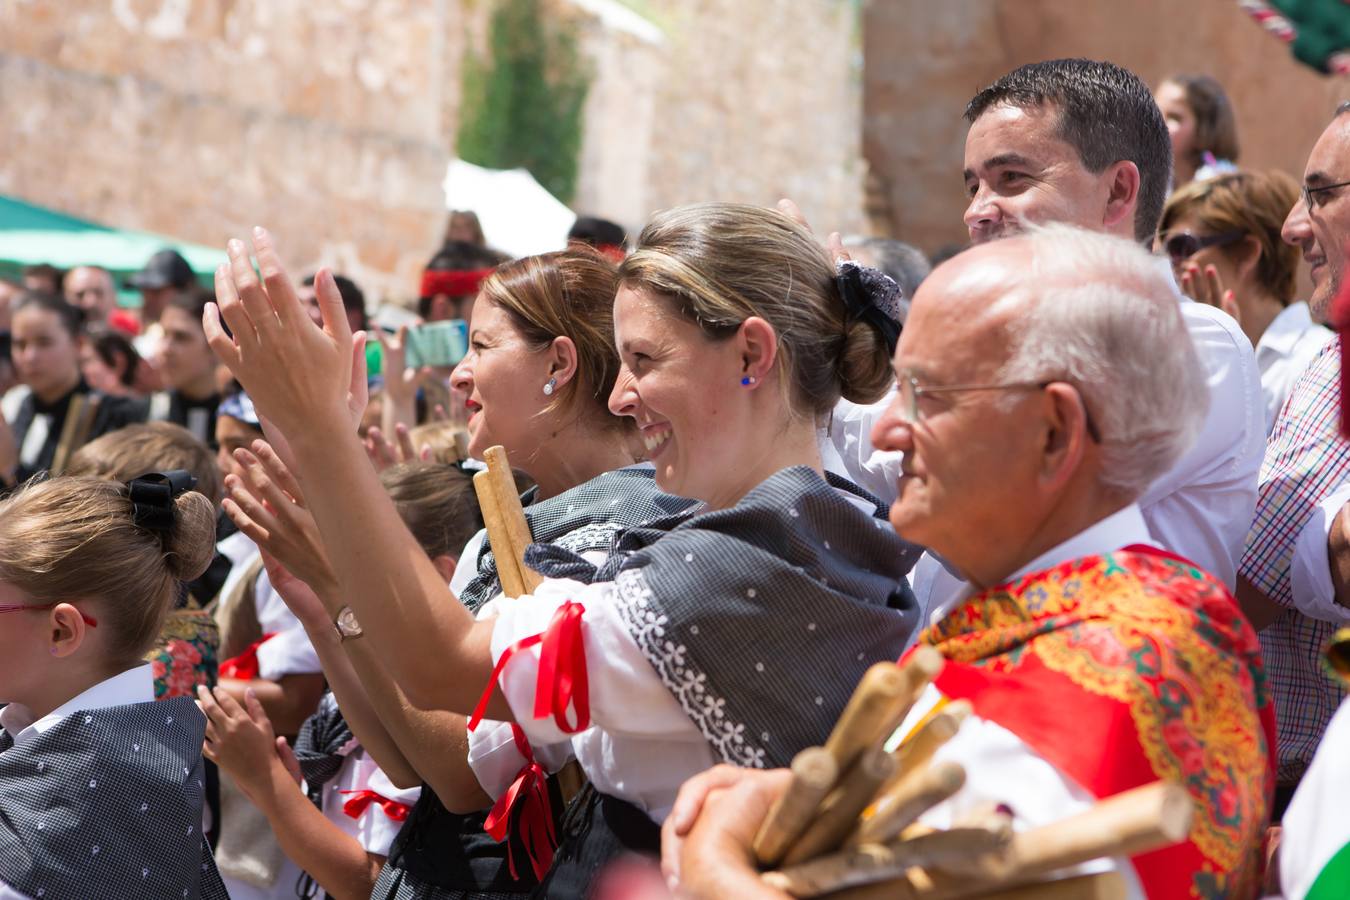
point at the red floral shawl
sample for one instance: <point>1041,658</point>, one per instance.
<point>1125,669</point>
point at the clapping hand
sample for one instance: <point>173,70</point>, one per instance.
<point>240,740</point>
<point>301,377</point>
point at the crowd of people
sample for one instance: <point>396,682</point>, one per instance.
<point>258,642</point>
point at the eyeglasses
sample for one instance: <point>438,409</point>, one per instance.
<point>1183,245</point>
<point>910,392</point>
<point>1308,193</point>
<point>15,607</point>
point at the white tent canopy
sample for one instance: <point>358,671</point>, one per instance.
<point>518,215</point>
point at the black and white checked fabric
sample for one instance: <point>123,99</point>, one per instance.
<point>324,741</point>
<point>761,618</point>
<point>586,518</point>
<point>107,805</point>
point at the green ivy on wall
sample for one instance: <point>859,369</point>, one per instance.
<point>522,105</point>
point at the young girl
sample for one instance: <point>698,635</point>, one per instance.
<point>100,785</point>
<point>730,637</point>
<point>363,808</point>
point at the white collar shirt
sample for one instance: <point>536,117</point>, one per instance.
<point>136,685</point>
<point>939,588</point>
<point>1286,348</point>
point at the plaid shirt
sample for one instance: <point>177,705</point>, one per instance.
<point>1305,461</point>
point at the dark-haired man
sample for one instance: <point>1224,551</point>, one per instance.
<point>1083,142</point>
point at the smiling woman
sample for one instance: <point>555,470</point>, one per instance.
<point>725,636</point>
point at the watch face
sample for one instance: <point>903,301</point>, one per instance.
<point>347,623</point>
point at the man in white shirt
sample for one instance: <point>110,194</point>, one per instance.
<point>1044,382</point>
<point>1084,143</point>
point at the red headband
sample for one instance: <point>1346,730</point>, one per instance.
<point>613,252</point>
<point>453,282</point>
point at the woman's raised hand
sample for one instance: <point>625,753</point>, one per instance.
<point>268,506</point>
<point>1206,286</point>
<point>299,376</point>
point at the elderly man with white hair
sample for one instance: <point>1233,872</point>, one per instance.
<point>1045,381</point>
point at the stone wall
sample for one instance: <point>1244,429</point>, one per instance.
<point>926,59</point>
<point>332,123</point>
<point>740,101</point>
<point>198,118</point>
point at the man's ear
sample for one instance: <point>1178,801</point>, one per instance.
<point>757,343</point>
<point>1122,198</point>
<point>67,629</point>
<point>563,364</point>
<point>1066,434</point>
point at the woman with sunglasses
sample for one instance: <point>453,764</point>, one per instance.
<point>734,636</point>
<point>1223,237</point>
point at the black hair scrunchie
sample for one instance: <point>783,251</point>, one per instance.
<point>152,498</point>
<point>872,296</point>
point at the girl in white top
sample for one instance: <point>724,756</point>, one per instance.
<point>100,785</point>
<point>364,807</point>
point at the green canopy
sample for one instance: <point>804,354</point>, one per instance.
<point>32,234</point>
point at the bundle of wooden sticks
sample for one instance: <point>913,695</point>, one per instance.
<point>847,827</point>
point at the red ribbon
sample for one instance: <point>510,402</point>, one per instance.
<point>245,665</point>
<point>562,671</point>
<point>453,282</point>
<point>360,801</point>
<point>527,807</point>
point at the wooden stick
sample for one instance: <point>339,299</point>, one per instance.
<point>910,797</point>
<point>80,413</point>
<point>876,862</point>
<point>513,585</point>
<point>1132,822</point>
<point>917,886</point>
<point>839,815</point>
<point>880,703</point>
<point>882,689</point>
<point>938,730</point>
<point>513,514</point>
<point>813,774</point>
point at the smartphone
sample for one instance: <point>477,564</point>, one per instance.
<point>441,343</point>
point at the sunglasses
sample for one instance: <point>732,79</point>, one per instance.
<point>15,607</point>
<point>1183,245</point>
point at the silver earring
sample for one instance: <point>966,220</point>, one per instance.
<point>550,387</point>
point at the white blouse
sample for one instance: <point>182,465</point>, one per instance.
<point>641,745</point>
<point>374,829</point>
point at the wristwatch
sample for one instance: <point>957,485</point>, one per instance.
<point>346,624</point>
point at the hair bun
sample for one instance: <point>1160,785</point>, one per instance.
<point>191,544</point>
